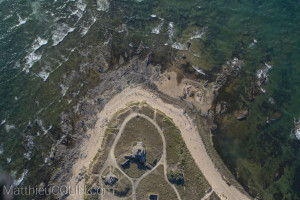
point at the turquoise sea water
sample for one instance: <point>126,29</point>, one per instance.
<point>45,45</point>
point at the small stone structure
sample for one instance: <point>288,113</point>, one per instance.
<point>138,153</point>
<point>110,179</point>
<point>153,196</point>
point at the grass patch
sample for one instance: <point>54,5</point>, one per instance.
<point>179,158</point>
<point>123,187</point>
<point>147,111</point>
<point>155,183</point>
<point>139,129</point>
<point>214,196</point>
<point>92,184</point>
<point>102,155</point>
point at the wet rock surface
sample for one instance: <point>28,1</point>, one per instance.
<point>231,69</point>
<point>67,150</point>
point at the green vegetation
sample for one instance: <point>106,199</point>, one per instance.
<point>214,196</point>
<point>102,155</point>
<point>139,129</point>
<point>176,177</point>
<point>155,183</point>
<point>182,171</point>
<point>92,184</point>
<point>147,111</point>
<point>179,158</point>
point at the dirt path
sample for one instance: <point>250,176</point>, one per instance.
<point>111,160</point>
<point>188,131</point>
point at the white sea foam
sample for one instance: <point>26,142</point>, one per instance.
<point>103,5</point>
<point>153,15</point>
<point>263,73</point>
<point>179,46</point>
<point>64,89</point>
<point>21,21</point>
<point>297,133</point>
<point>17,65</point>
<point>40,123</point>
<point>7,17</point>
<point>19,181</point>
<point>197,35</point>
<point>44,75</point>
<point>80,9</point>
<point>33,57</point>
<point>268,66</point>
<point>30,60</point>
<point>38,43</point>
<point>263,90</point>
<point>27,155</point>
<point>200,71</point>
<point>60,33</point>
<point>87,28</point>
<point>297,129</point>
<point>171,30</point>
<point>156,30</point>
<point>9,127</point>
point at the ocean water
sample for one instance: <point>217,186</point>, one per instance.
<point>47,63</point>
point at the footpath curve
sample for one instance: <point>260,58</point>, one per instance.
<point>184,123</point>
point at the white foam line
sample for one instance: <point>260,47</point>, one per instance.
<point>197,35</point>
<point>9,127</point>
<point>200,71</point>
<point>60,33</point>
<point>157,29</point>
<point>179,46</point>
<point>297,129</point>
<point>86,29</point>
<point>19,181</point>
<point>33,57</point>
<point>64,89</point>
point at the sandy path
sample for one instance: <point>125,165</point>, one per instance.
<point>183,122</point>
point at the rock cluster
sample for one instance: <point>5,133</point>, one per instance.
<point>232,68</point>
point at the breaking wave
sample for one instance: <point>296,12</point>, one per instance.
<point>60,33</point>
<point>33,57</point>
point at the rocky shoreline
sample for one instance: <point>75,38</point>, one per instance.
<point>138,71</point>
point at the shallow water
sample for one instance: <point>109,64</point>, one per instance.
<point>45,46</point>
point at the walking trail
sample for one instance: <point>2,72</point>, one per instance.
<point>188,131</point>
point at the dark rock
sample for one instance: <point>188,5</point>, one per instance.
<point>231,69</point>
<point>52,153</point>
<point>189,45</point>
<point>192,93</point>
